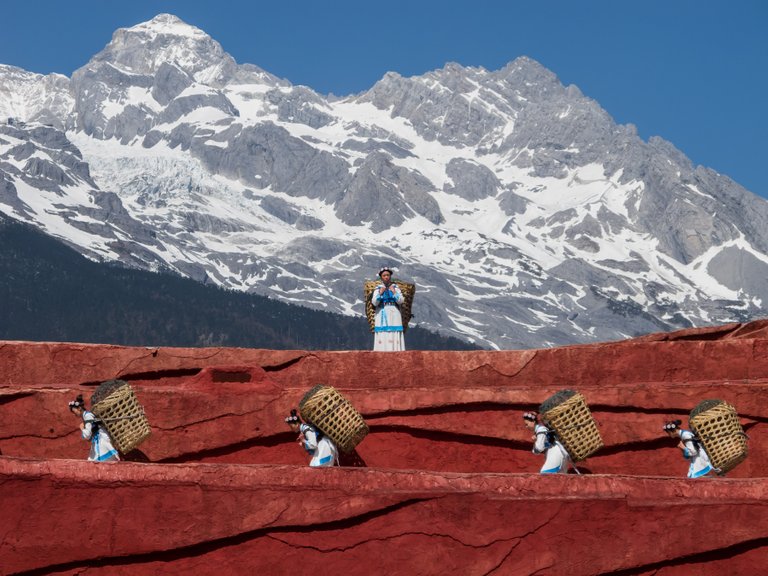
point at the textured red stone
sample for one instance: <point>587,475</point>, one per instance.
<point>444,483</point>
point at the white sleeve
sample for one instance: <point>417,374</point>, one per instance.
<point>690,445</point>
<point>375,295</point>
<point>398,294</point>
<point>88,430</point>
<point>540,445</point>
<point>310,438</point>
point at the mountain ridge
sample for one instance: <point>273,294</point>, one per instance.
<point>524,213</point>
<point>51,293</point>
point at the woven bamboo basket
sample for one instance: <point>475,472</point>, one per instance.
<point>325,408</point>
<point>115,404</point>
<point>408,290</point>
<point>717,425</point>
<point>573,423</point>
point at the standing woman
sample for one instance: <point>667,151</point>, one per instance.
<point>91,429</point>
<point>692,449</point>
<point>388,329</point>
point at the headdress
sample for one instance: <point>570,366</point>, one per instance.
<point>293,418</point>
<point>531,416</point>
<point>672,425</point>
<point>385,269</point>
<point>77,402</point>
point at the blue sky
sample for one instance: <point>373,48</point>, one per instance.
<point>694,72</point>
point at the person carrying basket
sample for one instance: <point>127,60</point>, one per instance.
<point>545,442</point>
<point>692,449</point>
<point>93,430</point>
<point>318,445</point>
<point>386,299</point>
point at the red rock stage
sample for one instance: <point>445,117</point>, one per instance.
<point>445,483</point>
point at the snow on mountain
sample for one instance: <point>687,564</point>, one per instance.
<point>34,97</point>
<point>525,215</point>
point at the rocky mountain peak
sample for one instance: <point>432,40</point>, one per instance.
<point>144,48</point>
<point>526,215</point>
<point>167,24</point>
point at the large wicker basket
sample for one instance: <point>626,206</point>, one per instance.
<point>115,404</point>
<point>573,423</point>
<point>328,410</point>
<point>408,290</point>
<point>717,425</point>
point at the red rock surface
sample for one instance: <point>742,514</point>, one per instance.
<point>450,485</point>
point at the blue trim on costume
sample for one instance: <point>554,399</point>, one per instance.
<point>388,298</point>
<point>700,473</point>
<point>107,456</point>
<point>551,470</point>
<point>388,329</point>
<point>325,460</point>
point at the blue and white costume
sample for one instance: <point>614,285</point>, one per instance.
<point>101,444</point>
<point>556,461</point>
<point>388,327</point>
<point>694,452</point>
<point>323,451</point>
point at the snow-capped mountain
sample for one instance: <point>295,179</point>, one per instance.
<point>524,214</point>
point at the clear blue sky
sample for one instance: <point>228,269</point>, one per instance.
<point>694,72</point>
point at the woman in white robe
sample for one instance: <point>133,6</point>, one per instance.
<point>102,449</point>
<point>388,326</point>
<point>692,449</point>
<point>544,442</point>
<point>319,446</point>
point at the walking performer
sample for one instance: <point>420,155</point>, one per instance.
<point>318,445</point>
<point>545,441</point>
<point>388,330</point>
<point>91,429</point>
<point>692,449</point>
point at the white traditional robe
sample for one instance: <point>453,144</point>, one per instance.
<point>694,452</point>
<point>557,458</point>
<point>323,452</point>
<point>388,328</point>
<point>102,449</point>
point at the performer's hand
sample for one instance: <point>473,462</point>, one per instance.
<point>382,290</point>
<point>681,445</point>
<point>82,426</point>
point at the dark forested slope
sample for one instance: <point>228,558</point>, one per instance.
<point>48,292</point>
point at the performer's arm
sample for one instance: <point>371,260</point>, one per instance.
<point>541,444</point>
<point>398,293</point>
<point>310,438</point>
<point>376,295</point>
<point>87,428</point>
<point>688,447</point>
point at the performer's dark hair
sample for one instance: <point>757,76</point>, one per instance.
<point>672,425</point>
<point>293,418</point>
<point>77,402</point>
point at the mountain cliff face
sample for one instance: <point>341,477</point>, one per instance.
<point>525,215</point>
